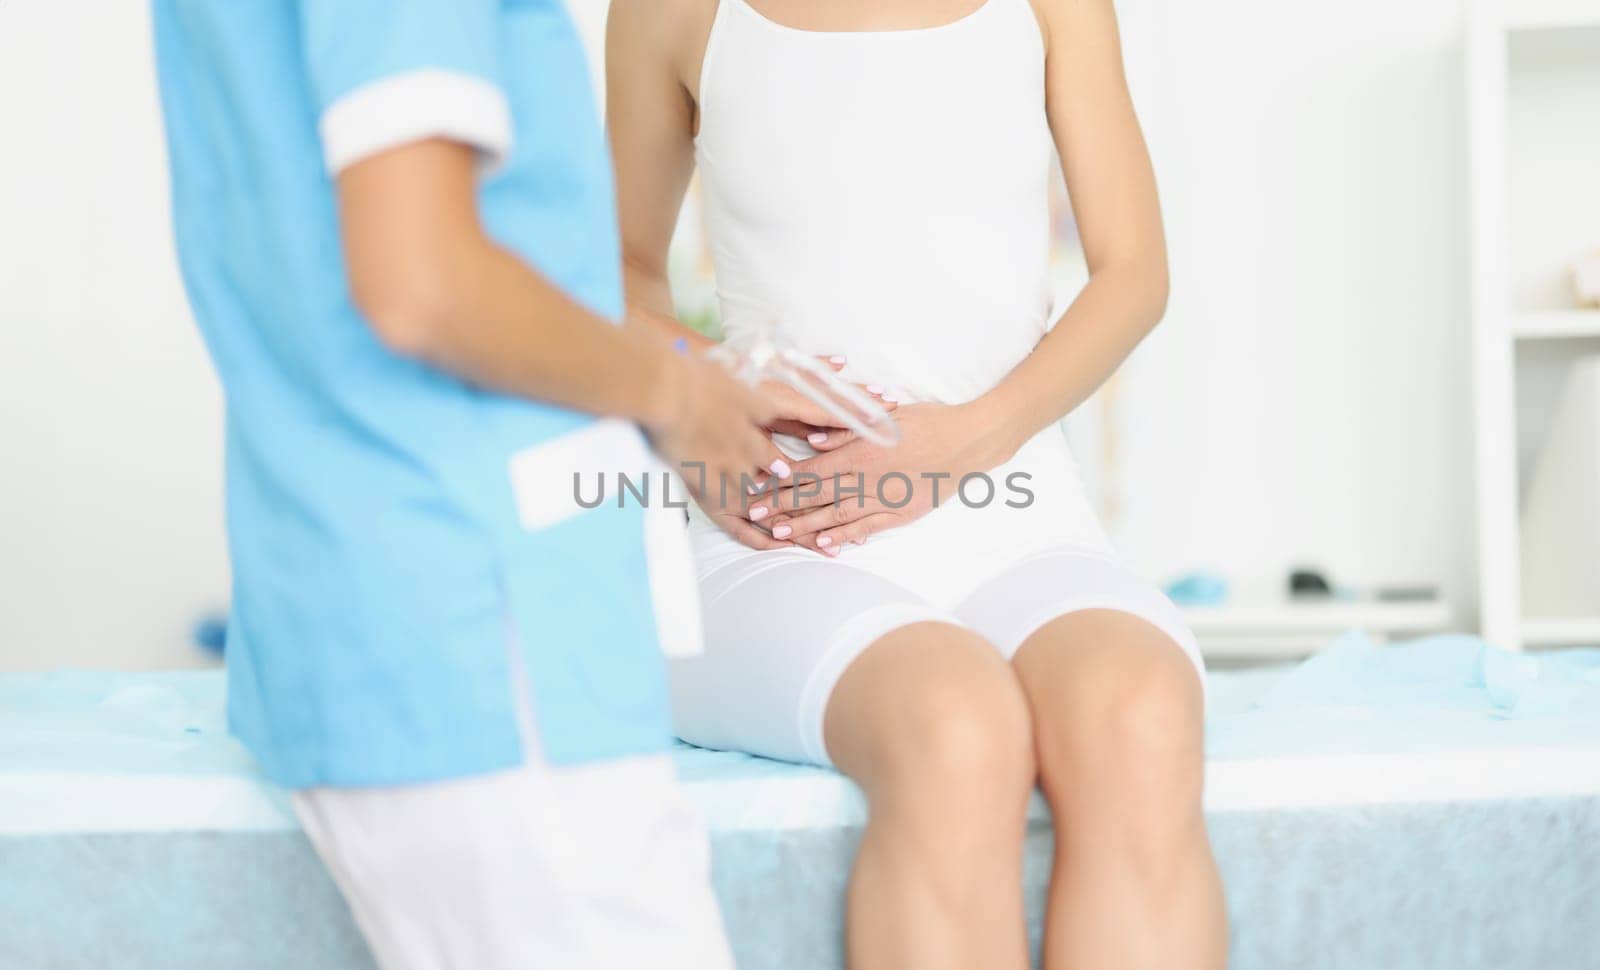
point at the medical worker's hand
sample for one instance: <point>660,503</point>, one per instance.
<point>939,444</point>
<point>706,424</point>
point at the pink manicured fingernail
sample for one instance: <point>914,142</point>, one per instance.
<point>818,437</point>
<point>874,388</point>
<point>781,532</point>
<point>758,513</point>
<point>836,359</point>
<point>825,541</point>
<point>828,550</point>
<point>779,467</point>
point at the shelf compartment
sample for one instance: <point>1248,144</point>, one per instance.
<point>1561,632</point>
<point>1540,14</point>
<point>1556,324</point>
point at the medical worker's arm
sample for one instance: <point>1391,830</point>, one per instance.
<point>412,103</point>
<point>435,287</point>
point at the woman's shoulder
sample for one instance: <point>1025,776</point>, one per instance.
<point>675,28</point>
<point>668,20</point>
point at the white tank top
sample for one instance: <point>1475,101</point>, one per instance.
<point>882,194</point>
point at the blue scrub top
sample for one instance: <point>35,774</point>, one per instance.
<point>377,552</point>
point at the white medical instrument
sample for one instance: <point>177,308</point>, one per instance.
<point>758,354</point>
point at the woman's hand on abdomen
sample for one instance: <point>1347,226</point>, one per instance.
<point>854,488</point>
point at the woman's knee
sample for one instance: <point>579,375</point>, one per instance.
<point>1153,734</point>
<point>1124,719</point>
<point>950,725</point>
<point>971,734</point>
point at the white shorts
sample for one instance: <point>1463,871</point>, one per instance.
<point>782,626</point>
<point>603,865</point>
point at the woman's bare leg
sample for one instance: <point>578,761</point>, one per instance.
<point>931,723</point>
<point>1117,713</point>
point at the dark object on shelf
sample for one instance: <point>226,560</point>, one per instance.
<point>1309,582</point>
<point>1407,594</point>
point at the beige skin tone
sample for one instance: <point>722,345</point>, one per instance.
<point>1099,709</point>
<point>436,288</point>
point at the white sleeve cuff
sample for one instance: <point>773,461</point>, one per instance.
<point>415,105</point>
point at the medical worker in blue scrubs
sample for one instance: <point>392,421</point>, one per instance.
<point>395,223</point>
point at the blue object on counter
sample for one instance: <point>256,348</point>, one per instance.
<point>211,633</point>
<point>1198,589</point>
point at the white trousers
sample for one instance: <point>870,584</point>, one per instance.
<point>783,626</point>
<point>603,866</point>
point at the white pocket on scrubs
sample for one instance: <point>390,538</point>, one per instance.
<point>541,479</point>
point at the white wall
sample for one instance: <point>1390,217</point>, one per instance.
<point>110,429</point>
<point>1305,400</point>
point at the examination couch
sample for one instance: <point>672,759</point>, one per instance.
<point>1435,805</point>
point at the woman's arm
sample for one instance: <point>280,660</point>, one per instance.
<point>652,48</point>
<point>1113,192</point>
<point>650,117</point>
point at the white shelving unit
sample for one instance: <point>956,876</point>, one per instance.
<point>1533,81</point>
